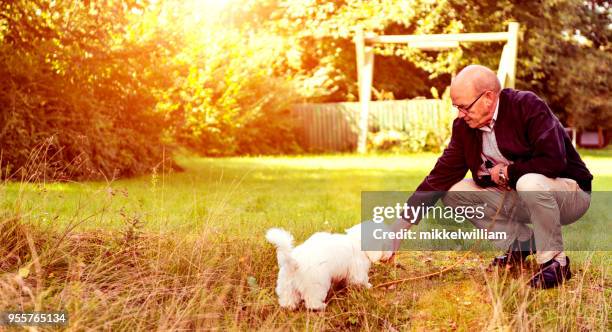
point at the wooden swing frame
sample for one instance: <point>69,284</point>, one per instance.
<point>364,42</point>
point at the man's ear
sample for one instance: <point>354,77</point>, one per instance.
<point>492,96</point>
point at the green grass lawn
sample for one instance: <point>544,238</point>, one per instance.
<point>187,251</point>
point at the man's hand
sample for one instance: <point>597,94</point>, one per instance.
<point>396,227</point>
<point>495,174</point>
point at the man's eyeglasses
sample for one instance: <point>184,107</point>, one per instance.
<point>465,109</point>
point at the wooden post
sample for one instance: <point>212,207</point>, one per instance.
<point>460,37</point>
<point>365,69</point>
<point>502,69</point>
<point>513,28</point>
<point>506,72</point>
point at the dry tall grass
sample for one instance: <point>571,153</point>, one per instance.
<point>126,280</point>
<point>134,281</point>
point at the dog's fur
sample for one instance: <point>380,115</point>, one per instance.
<point>308,271</point>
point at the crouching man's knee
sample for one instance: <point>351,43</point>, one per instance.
<point>533,182</point>
<point>461,193</point>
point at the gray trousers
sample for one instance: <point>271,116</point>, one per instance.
<point>543,202</point>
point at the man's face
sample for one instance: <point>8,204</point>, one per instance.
<point>474,107</point>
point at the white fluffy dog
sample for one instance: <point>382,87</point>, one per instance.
<point>308,271</point>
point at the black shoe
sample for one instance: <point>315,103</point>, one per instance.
<point>551,274</point>
<point>510,259</point>
<point>516,254</point>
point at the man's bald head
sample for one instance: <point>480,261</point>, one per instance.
<point>474,93</point>
<point>476,78</point>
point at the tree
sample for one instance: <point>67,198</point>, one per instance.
<point>570,69</point>
<point>76,98</point>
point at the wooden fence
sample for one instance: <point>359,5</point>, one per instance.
<point>334,126</point>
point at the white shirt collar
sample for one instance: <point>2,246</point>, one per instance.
<point>489,127</point>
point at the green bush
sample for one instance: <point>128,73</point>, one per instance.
<point>420,135</point>
<point>231,101</point>
<point>76,95</point>
<point>412,141</point>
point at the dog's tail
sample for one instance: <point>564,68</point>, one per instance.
<point>283,241</point>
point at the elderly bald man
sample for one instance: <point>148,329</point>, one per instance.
<point>517,151</point>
